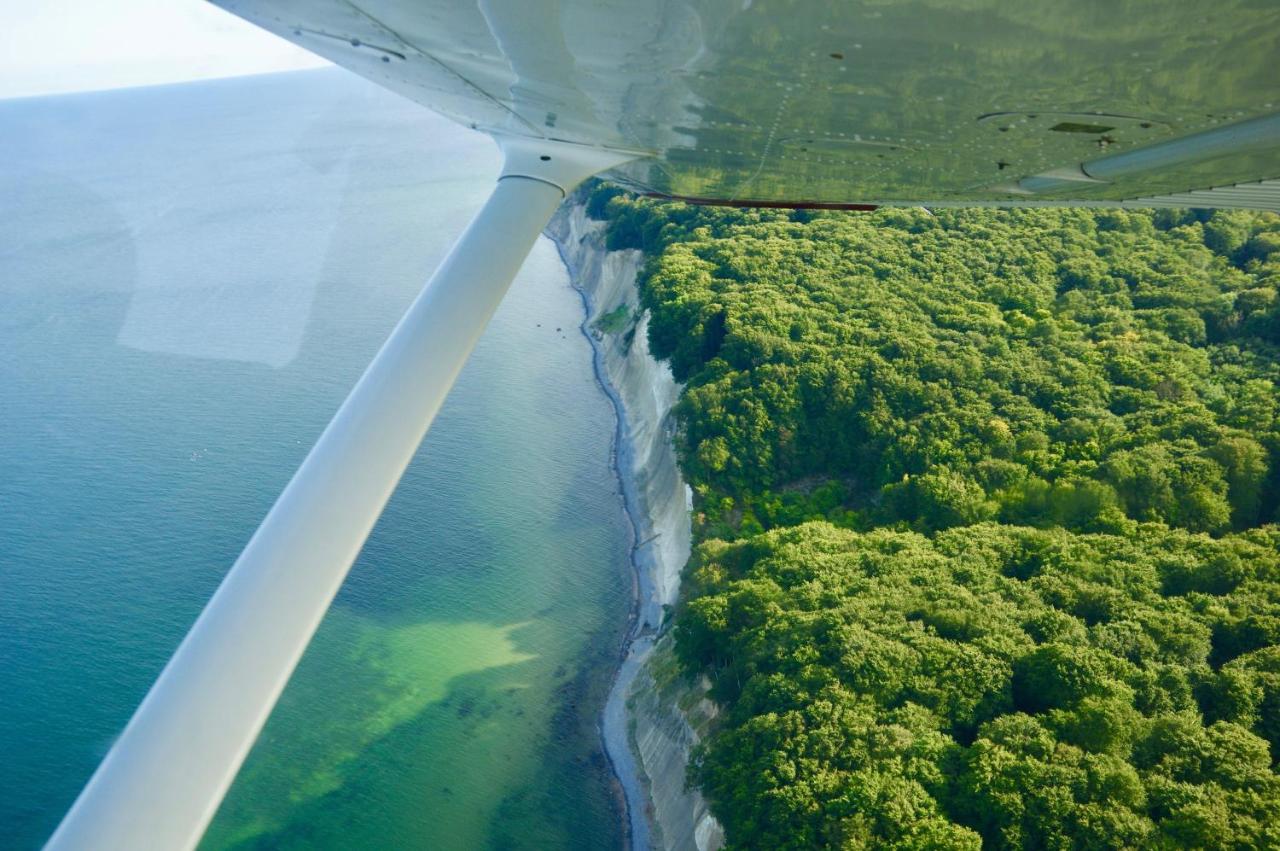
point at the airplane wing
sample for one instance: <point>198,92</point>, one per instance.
<point>848,102</point>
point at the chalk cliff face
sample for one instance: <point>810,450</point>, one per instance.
<point>647,732</point>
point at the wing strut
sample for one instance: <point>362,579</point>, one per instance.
<point>163,780</point>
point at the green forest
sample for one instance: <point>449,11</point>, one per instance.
<point>986,553</point>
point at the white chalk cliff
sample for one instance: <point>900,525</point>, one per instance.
<point>653,714</point>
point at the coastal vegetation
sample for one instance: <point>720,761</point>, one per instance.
<point>614,321</point>
<point>985,510</point>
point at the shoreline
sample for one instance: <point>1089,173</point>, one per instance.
<point>613,719</point>
<point>652,716</point>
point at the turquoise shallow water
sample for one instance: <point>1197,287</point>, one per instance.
<point>191,277</point>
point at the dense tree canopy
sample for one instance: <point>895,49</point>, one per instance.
<point>1040,604</point>
<point>997,685</point>
<point>1054,367</point>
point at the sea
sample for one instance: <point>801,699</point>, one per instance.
<point>191,279</point>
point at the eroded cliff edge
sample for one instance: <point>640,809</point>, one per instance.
<point>653,716</point>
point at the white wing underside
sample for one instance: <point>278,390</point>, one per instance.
<point>847,102</point>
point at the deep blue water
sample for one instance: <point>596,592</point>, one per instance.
<point>191,278</point>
